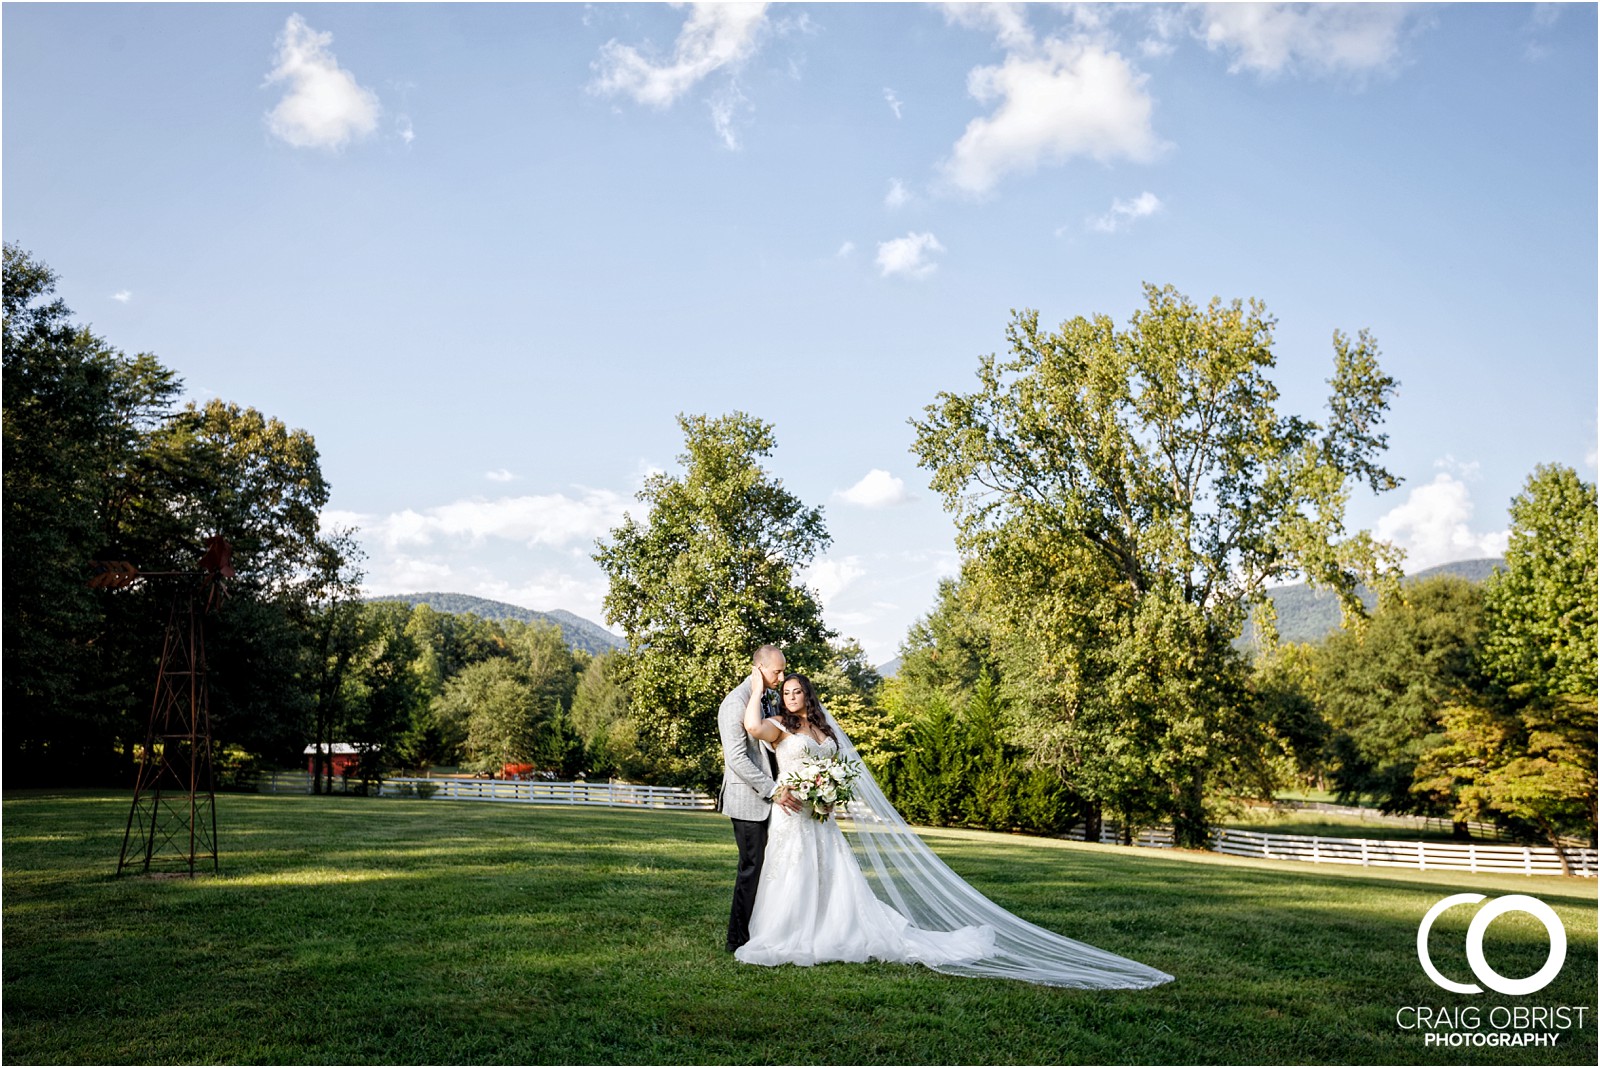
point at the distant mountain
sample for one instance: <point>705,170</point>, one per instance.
<point>1308,615</point>
<point>579,633</point>
<point>890,669</point>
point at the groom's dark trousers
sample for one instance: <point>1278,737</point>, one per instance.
<point>751,837</point>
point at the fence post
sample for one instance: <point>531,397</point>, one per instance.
<point>1316,855</point>
<point>1365,863</point>
<point>1422,856</point>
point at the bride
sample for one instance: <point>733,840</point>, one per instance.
<point>815,901</point>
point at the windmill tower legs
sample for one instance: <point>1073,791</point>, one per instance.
<point>172,824</point>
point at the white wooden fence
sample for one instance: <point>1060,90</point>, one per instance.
<point>533,791</point>
<point>1374,853</point>
<point>1316,849</point>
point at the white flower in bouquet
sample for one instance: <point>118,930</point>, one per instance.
<point>823,783</point>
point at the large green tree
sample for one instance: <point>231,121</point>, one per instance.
<point>75,410</point>
<point>1521,749</point>
<point>1383,690</point>
<point>101,464</point>
<point>709,575</point>
<point>516,709</point>
<point>948,648</point>
<point>1150,470</point>
<point>385,696</point>
<point>1541,610</point>
<point>600,716</point>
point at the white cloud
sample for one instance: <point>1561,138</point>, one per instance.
<point>1466,469</point>
<point>908,255</point>
<point>831,577</point>
<point>122,296</point>
<point>404,130</point>
<point>846,249</point>
<point>877,489</point>
<point>1155,48</point>
<point>796,24</point>
<point>1124,212</point>
<point>409,574</point>
<point>1008,22</point>
<point>934,563</point>
<point>532,551</point>
<point>1062,100</point>
<point>715,37</point>
<point>1317,39</point>
<point>725,105</point>
<point>500,475</point>
<point>547,519</point>
<point>894,102</point>
<point>897,196</point>
<point>1541,17</point>
<point>324,107</point>
<point>1433,526</point>
<point>332,519</point>
<point>1164,25</point>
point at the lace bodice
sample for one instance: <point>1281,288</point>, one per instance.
<point>793,748</point>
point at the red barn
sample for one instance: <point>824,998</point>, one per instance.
<point>343,758</point>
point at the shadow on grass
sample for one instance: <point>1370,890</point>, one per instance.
<point>354,930</point>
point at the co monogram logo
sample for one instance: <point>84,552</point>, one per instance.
<point>1480,923</point>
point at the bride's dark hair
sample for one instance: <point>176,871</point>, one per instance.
<point>791,722</point>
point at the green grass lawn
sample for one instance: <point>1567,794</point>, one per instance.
<point>359,930</point>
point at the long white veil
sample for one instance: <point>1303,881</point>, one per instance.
<point>907,875</point>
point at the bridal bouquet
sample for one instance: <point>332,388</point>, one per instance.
<point>823,783</point>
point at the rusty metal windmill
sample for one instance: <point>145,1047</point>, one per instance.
<point>172,823</point>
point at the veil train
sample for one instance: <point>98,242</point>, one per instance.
<point>905,874</point>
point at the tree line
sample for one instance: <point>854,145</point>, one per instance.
<point>103,463</point>
<point>1456,700</point>
<point>1123,499</point>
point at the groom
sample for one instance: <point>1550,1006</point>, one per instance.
<point>749,787</point>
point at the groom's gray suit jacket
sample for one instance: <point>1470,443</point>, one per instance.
<point>746,786</point>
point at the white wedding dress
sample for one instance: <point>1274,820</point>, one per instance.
<point>814,904</point>
<point>877,892</point>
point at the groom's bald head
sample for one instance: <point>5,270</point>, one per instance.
<point>769,660</point>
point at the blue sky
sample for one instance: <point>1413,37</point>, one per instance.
<point>485,254</point>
